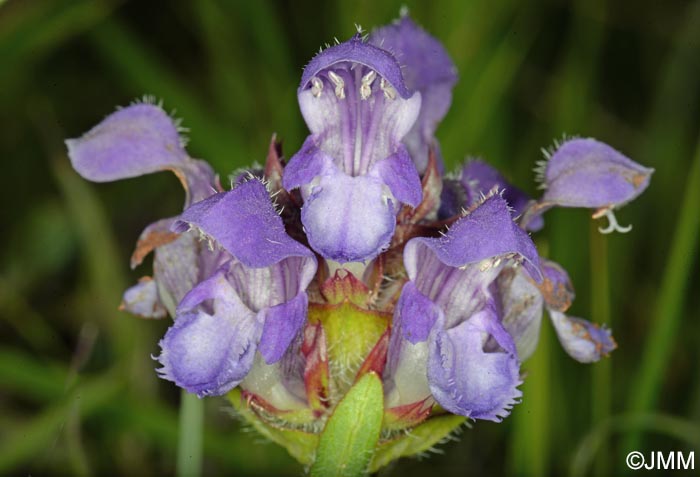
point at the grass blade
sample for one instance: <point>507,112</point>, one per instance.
<point>667,315</point>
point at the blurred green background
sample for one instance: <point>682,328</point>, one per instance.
<point>78,391</point>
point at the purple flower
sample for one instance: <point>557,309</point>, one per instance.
<point>352,170</point>
<point>445,315</point>
<point>370,260</point>
<point>255,301</point>
<point>588,173</point>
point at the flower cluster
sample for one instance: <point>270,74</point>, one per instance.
<point>358,254</point>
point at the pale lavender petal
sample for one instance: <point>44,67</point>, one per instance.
<point>176,268</point>
<point>211,346</point>
<point>589,173</point>
<point>130,142</point>
<point>584,341</point>
<point>283,323</point>
<point>277,385</point>
<point>291,368</point>
<point>257,289</point>
<point>405,374</point>
<point>521,306</point>
<point>136,140</point>
<point>349,219</point>
<point>274,294</point>
<point>487,232</point>
<point>245,223</point>
<point>426,68</point>
<point>263,287</point>
<point>198,179</point>
<point>209,354</point>
<point>142,300</point>
<point>469,381</point>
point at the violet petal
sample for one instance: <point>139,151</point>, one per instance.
<point>400,176</point>
<point>245,223</point>
<point>209,354</point>
<point>589,173</point>
<point>468,381</point>
<point>136,140</point>
<point>415,313</point>
<point>308,163</point>
<point>283,323</point>
<point>485,233</point>
<point>211,346</point>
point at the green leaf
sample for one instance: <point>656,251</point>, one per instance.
<point>347,443</point>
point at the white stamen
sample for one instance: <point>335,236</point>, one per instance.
<point>339,84</point>
<point>389,90</point>
<point>316,86</point>
<point>613,226</point>
<point>366,86</point>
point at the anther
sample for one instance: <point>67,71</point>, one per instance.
<point>339,84</point>
<point>366,86</point>
<point>316,86</point>
<point>389,91</point>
